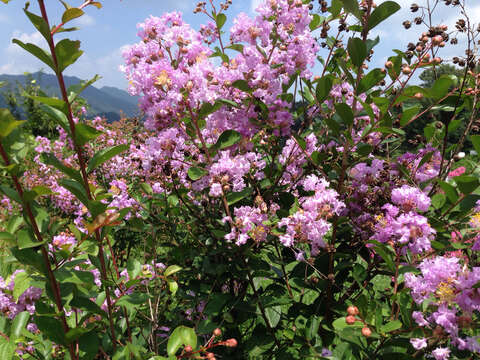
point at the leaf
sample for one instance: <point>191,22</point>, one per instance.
<point>221,19</point>
<point>26,240</point>
<point>172,286</point>
<point>57,115</point>
<point>273,315</point>
<point>475,139</point>
<point>391,326</point>
<point>77,89</point>
<point>381,13</point>
<point>409,113</point>
<point>449,190</point>
<point>370,80</point>
<point>7,348</point>
<point>228,138</point>
<point>19,324</point>
<point>134,268</point>
<point>196,173</point>
<point>50,159</point>
<point>38,52</point>
<point>76,189</point>
<point>440,87</point>
<point>51,101</point>
<point>438,200</point>
<point>71,14</point>
<point>324,86</point>
<point>88,345</point>
<point>8,123</point>
<point>51,328</point>
<point>67,52</point>
<point>235,197</point>
<point>104,155</point>
<point>345,112</point>
<point>357,50</point>
<point>85,133</point>
<point>467,183</point>
<point>39,23</point>
<point>171,270</point>
<point>10,193</point>
<point>181,336</point>
<point>351,6</point>
<point>242,85</point>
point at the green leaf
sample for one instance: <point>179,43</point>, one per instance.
<point>228,138</point>
<point>172,286</point>
<point>77,89</point>
<point>207,109</point>
<point>38,52</point>
<point>171,270</point>
<point>181,336</point>
<point>438,200</point>
<point>8,123</point>
<point>50,159</point>
<point>391,326</point>
<point>242,85</point>
<point>7,348</point>
<point>88,345</point>
<point>449,190</point>
<point>467,183</point>
<point>370,80</point>
<point>10,193</point>
<point>85,133</point>
<point>26,240</point>
<point>357,50</point>
<point>409,113</point>
<point>440,87</point>
<point>235,197</point>
<point>134,268</point>
<point>104,155</point>
<point>345,112</point>
<point>22,282</point>
<point>76,189</point>
<point>51,328</point>
<point>71,14</point>
<point>351,6</point>
<point>19,324</point>
<point>196,173</point>
<point>382,12</point>
<point>475,139</point>
<point>273,315</point>
<point>324,86</point>
<point>67,51</point>
<point>57,115</point>
<point>39,23</point>
<point>51,101</point>
<point>221,19</point>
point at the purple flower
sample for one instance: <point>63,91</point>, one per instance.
<point>419,343</point>
<point>441,353</point>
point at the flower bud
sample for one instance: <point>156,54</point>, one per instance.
<point>366,331</point>
<point>389,64</point>
<point>217,332</point>
<point>350,320</point>
<point>352,310</point>
<point>231,342</point>
<point>437,40</point>
<point>188,349</point>
<point>406,70</point>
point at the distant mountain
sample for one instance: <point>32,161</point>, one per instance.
<point>107,101</point>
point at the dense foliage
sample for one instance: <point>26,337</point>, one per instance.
<point>267,208</point>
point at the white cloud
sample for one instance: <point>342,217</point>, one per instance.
<point>4,19</point>
<point>254,4</point>
<point>83,21</point>
<point>17,60</point>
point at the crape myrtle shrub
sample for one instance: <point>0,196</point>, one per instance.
<point>225,227</point>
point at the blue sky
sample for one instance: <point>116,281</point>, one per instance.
<point>104,32</point>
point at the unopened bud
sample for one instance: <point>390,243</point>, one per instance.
<point>231,342</point>
<point>389,64</point>
<point>406,70</point>
<point>366,331</point>
<point>217,332</point>
<point>437,40</point>
<point>188,349</point>
<point>350,320</point>
<point>352,310</point>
